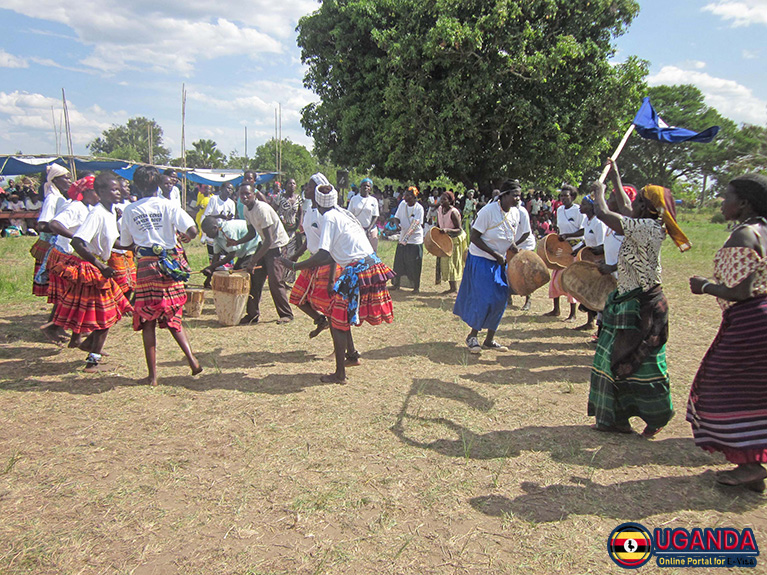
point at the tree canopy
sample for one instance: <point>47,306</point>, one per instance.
<point>205,154</point>
<point>473,89</point>
<point>297,161</point>
<point>131,142</point>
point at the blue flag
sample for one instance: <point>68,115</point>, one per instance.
<point>652,127</point>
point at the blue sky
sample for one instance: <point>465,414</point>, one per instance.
<point>239,59</point>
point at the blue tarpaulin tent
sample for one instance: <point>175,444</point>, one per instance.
<point>24,165</point>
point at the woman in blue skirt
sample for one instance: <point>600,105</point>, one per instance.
<point>484,289</point>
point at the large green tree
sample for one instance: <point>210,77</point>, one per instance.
<point>297,161</point>
<point>205,154</point>
<point>131,142</point>
<point>473,89</point>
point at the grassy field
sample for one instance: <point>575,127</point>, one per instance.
<point>429,460</point>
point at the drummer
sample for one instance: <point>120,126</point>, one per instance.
<point>484,290</point>
<point>593,238</point>
<point>449,221</point>
<point>219,231</point>
<point>525,239</point>
<point>570,223</point>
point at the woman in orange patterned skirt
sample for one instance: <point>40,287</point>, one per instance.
<point>359,293</point>
<point>90,301</point>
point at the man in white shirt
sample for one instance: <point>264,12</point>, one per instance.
<point>408,259</point>
<point>264,221</point>
<point>570,223</point>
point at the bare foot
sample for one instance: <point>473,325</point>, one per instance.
<point>570,319</point>
<point>196,368</point>
<point>75,341</point>
<point>333,378</point>
<point>552,313</point>
<point>51,334</point>
<point>586,327</point>
<point>94,368</point>
<point>148,381</point>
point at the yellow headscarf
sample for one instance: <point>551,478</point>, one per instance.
<point>660,197</point>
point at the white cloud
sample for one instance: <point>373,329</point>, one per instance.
<point>29,117</point>
<point>750,55</point>
<point>171,35</point>
<point>731,99</point>
<point>10,61</point>
<point>740,13</point>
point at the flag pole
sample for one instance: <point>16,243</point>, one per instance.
<point>616,153</point>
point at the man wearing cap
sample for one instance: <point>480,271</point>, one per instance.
<point>264,222</point>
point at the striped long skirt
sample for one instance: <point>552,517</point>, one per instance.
<point>158,296</point>
<point>728,400</point>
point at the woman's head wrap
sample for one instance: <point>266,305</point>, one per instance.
<point>326,199</point>
<point>662,200</point>
<point>54,171</point>
<point>510,186</point>
<point>319,179</point>
<point>450,196</point>
<point>753,189</point>
<point>415,191</point>
<point>368,180</point>
<point>76,190</point>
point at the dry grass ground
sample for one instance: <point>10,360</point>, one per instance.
<point>429,460</point>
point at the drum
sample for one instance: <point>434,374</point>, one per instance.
<point>585,283</point>
<point>195,299</point>
<point>438,243</point>
<point>231,290</point>
<point>588,255</point>
<point>526,272</point>
<point>555,253</point>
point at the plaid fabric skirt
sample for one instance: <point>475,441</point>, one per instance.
<point>38,251</point>
<point>158,297</point>
<point>728,400</point>
<point>86,300</point>
<point>645,393</point>
<point>124,266</point>
<point>312,287</point>
<point>375,305</point>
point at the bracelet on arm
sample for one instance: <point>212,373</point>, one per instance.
<point>704,286</point>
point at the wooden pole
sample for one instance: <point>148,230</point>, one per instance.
<point>183,145</point>
<point>245,167</point>
<point>279,164</point>
<point>616,153</point>
<point>70,148</point>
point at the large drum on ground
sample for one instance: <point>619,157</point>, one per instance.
<point>231,290</point>
<point>588,255</point>
<point>195,299</point>
<point>555,253</point>
<point>526,272</point>
<point>438,243</point>
<point>588,285</point>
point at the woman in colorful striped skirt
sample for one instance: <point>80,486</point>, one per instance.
<point>359,293</point>
<point>313,288</point>
<point>728,400</point>
<point>629,377</point>
<point>90,301</point>
<point>151,224</point>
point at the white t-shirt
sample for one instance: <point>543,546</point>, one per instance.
<point>612,245</point>
<point>524,226</point>
<point>312,224</point>
<point>594,232</point>
<point>406,215</point>
<point>53,205</point>
<point>570,220</point>
<point>343,237</point>
<point>216,206</point>
<point>175,196</point>
<point>71,218</point>
<point>498,229</point>
<point>99,231</point>
<point>153,221</point>
<point>263,216</point>
<point>364,209</point>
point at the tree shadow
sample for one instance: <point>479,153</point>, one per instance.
<point>635,499</point>
<point>572,444</point>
